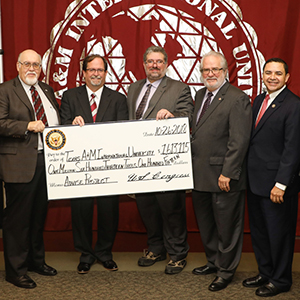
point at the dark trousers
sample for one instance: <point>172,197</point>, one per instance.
<point>1,204</point>
<point>164,216</point>
<point>273,230</point>
<point>82,224</point>
<point>220,218</point>
<point>23,223</point>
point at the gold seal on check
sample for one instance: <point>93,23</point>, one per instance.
<point>55,139</point>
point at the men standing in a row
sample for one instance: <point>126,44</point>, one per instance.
<point>220,138</point>
<point>163,213</point>
<point>273,168</point>
<point>90,103</point>
<point>26,107</point>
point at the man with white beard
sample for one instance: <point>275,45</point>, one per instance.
<point>220,136</point>
<point>26,107</point>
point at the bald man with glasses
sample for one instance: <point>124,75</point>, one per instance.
<point>26,107</point>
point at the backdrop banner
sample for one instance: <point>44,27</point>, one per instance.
<point>65,31</point>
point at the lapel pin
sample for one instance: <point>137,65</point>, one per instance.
<point>220,99</point>
<point>273,105</point>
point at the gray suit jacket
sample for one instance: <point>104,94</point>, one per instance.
<point>173,95</point>
<point>220,140</point>
<point>18,148</point>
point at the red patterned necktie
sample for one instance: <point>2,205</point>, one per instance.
<point>263,109</point>
<point>38,106</point>
<point>93,107</point>
<point>205,106</point>
<point>141,108</point>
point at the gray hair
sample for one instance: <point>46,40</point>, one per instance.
<point>156,49</point>
<point>224,63</point>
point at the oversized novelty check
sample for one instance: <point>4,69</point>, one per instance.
<point>118,158</point>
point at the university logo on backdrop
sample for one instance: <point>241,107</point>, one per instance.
<point>122,30</point>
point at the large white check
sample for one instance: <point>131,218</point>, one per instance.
<point>118,158</point>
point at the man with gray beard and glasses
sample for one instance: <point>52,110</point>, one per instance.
<point>220,137</point>
<point>26,107</point>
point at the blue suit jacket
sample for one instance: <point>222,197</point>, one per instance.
<point>274,152</point>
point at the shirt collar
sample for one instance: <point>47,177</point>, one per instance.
<point>276,93</point>
<point>155,84</point>
<point>98,93</point>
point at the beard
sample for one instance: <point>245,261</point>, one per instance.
<point>29,80</point>
<point>157,75</point>
<point>96,82</point>
<point>216,85</point>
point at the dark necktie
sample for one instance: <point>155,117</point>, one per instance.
<point>205,106</point>
<point>263,109</point>
<point>38,106</point>
<point>141,108</point>
<point>93,107</point>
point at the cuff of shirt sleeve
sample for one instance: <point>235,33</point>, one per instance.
<point>280,186</point>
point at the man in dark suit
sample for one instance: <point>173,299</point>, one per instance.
<point>163,213</point>
<point>94,102</point>
<point>220,137</point>
<point>22,168</point>
<point>273,168</point>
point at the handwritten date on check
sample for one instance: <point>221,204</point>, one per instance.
<point>118,158</point>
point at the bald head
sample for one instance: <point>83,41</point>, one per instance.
<point>29,66</point>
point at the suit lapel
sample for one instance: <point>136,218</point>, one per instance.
<point>218,99</point>
<point>104,103</point>
<point>50,97</point>
<point>135,96</point>
<point>22,95</point>
<point>270,110</point>
<point>83,101</point>
<point>256,106</point>
<point>198,103</point>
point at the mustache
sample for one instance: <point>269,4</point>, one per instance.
<point>96,77</point>
<point>30,73</point>
<point>154,69</point>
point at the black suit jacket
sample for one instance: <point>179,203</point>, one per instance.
<point>18,148</point>
<point>75,102</point>
<point>274,152</point>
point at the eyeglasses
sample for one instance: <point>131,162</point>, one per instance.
<point>215,71</point>
<point>158,62</point>
<point>27,65</point>
<point>95,70</point>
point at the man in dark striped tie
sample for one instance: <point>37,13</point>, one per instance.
<point>26,107</point>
